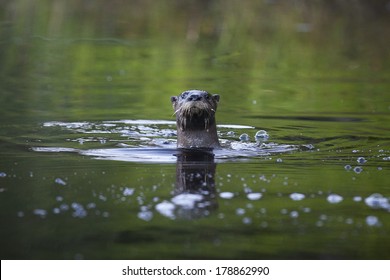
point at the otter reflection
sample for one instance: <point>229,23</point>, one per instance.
<point>195,194</point>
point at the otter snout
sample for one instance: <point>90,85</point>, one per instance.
<point>194,97</point>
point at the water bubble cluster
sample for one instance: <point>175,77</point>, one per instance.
<point>377,201</point>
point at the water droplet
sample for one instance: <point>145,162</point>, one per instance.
<point>297,196</point>
<point>254,196</point>
<point>334,198</point>
<point>226,195</point>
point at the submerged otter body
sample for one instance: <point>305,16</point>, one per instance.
<point>195,119</point>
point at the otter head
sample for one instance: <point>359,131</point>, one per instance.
<point>195,119</point>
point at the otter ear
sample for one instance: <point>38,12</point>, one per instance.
<point>216,97</point>
<point>173,99</point>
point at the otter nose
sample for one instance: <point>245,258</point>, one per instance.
<point>194,97</point>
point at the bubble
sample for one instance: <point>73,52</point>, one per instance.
<point>297,196</point>
<point>244,137</point>
<point>56,210</point>
<point>145,215</point>
<point>347,167</point>
<point>279,160</point>
<point>358,169</point>
<point>357,198</point>
<point>386,158</point>
<point>372,221</point>
<point>40,212</point>
<point>240,211</point>
<point>59,181</point>
<point>334,198</point>
<point>91,205</point>
<point>166,209</point>
<point>20,214</point>
<point>361,160</point>
<point>247,220</point>
<point>254,196</point>
<point>377,201</point>
<point>128,191</point>
<point>64,207</point>
<point>261,136</point>
<point>3,174</point>
<point>294,214</point>
<point>187,200</point>
<point>226,195</point>
<point>79,211</point>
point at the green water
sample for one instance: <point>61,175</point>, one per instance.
<point>76,75</point>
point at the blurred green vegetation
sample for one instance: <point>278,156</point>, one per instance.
<point>115,59</point>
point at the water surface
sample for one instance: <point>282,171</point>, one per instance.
<point>89,167</point>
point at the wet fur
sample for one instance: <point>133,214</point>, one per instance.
<point>196,126</point>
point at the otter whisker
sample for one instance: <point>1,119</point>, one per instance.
<point>176,112</point>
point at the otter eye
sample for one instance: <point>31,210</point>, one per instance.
<point>184,95</point>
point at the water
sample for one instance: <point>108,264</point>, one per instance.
<point>89,167</point>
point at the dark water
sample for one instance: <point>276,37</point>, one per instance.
<point>88,164</point>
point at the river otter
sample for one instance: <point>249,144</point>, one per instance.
<point>195,119</point>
